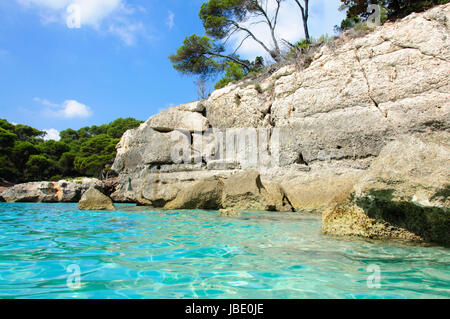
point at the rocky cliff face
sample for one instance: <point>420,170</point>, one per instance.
<point>404,194</point>
<point>308,133</point>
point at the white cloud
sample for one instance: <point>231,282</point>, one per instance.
<point>170,22</point>
<point>45,102</point>
<point>110,15</point>
<point>52,134</point>
<point>68,109</point>
<point>92,11</point>
<point>53,4</point>
<point>127,32</point>
<point>72,108</point>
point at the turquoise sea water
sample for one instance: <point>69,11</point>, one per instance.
<point>136,253</point>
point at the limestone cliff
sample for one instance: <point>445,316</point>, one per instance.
<point>321,126</point>
<point>404,194</point>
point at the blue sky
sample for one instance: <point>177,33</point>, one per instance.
<point>55,76</point>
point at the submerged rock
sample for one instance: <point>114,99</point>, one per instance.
<point>229,212</point>
<point>93,199</point>
<point>404,194</point>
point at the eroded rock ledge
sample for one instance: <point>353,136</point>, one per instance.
<point>404,194</point>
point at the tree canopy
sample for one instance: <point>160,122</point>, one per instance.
<point>89,151</point>
<point>223,18</point>
<point>200,56</point>
<point>205,56</point>
<point>357,9</point>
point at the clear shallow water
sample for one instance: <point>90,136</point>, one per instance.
<point>132,253</point>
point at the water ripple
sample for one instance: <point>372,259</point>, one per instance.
<point>134,253</point>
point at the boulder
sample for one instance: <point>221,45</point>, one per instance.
<point>276,197</point>
<point>175,119</point>
<point>245,191</point>
<point>197,106</point>
<point>313,192</point>
<point>146,146</point>
<point>93,199</point>
<point>204,194</point>
<point>404,194</point>
<point>172,187</point>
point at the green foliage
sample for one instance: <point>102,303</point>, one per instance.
<point>116,128</point>
<point>303,44</point>
<point>53,149</point>
<point>222,83</point>
<point>390,9</point>
<point>233,72</point>
<point>7,168</point>
<point>56,178</point>
<point>21,152</point>
<point>100,144</point>
<point>69,135</point>
<point>258,88</point>
<point>198,55</point>
<point>218,15</point>
<point>4,124</point>
<point>27,133</point>
<point>204,55</point>
<point>39,167</point>
<point>25,156</point>
<point>303,48</point>
<point>66,164</point>
<point>7,139</point>
<point>92,165</point>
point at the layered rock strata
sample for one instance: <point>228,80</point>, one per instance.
<point>404,194</point>
<point>300,137</point>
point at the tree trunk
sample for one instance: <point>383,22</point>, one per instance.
<point>305,16</point>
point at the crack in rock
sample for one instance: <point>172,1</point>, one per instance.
<point>369,90</point>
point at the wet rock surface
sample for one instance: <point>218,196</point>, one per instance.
<point>93,199</point>
<point>404,194</point>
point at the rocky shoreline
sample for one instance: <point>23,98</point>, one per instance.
<point>360,135</point>
<point>55,192</point>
